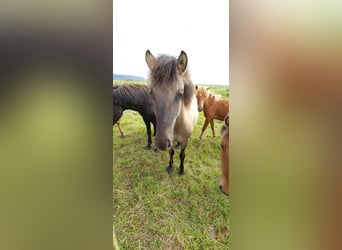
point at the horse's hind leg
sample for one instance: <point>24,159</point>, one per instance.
<point>181,157</point>
<point>120,129</point>
<point>205,125</point>
<point>169,168</point>
<point>212,127</point>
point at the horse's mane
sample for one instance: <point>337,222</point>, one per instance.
<point>132,95</point>
<point>165,72</point>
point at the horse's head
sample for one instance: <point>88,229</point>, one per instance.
<point>169,91</point>
<point>202,93</point>
<point>224,183</point>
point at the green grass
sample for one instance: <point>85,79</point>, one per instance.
<point>152,210</point>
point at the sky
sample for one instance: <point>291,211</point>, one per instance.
<point>200,28</point>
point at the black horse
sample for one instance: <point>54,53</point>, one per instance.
<point>135,97</point>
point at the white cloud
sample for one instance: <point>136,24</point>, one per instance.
<point>200,28</point>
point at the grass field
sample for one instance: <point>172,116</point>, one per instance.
<point>152,210</point>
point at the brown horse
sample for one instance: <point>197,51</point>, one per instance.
<point>212,107</point>
<point>174,102</point>
<point>224,183</point>
<point>120,129</point>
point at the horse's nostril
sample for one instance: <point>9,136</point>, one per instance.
<point>168,143</point>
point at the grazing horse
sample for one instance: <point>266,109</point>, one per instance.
<point>135,97</point>
<point>120,129</point>
<point>224,183</point>
<point>174,103</point>
<point>212,107</point>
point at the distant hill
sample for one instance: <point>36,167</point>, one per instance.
<point>127,77</point>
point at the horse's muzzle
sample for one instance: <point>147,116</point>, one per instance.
<point>200,109</point>
<point>164,144</point>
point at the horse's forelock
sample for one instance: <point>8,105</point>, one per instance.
<point>165,72</point>
<point>202,91</point>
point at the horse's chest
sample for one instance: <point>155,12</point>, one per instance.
<point>208,109</point>
<point>183,127</point>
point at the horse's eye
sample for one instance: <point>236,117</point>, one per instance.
<point>151,92</point>
<point>179,94</point>
<point>222,146</point>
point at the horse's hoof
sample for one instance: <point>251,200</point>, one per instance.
<point>200,137</point>
<point>169,170</point>
<point>181,173</point>
<point>156,150</point>
<point>148,147</point>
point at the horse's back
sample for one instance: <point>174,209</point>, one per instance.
<point>132,96</point>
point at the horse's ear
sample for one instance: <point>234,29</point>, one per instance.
<point>226,120</point>
<point>208,88</point>
<point>150,59</point>
<point>182,61</point>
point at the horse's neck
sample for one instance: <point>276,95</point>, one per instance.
<point>209,101</point>
<point>188,113</point>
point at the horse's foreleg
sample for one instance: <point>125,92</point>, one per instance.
<point>169,168</point>
<point>205,125</point>
<point>148,130</point>
<point>154,128</point>
<point>181,157</point>
<point>156,150</point>
<point>212,127</point>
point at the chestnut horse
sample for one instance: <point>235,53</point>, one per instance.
<point>212,107</point>
<point>174,103</point>
<point>224,183</point>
